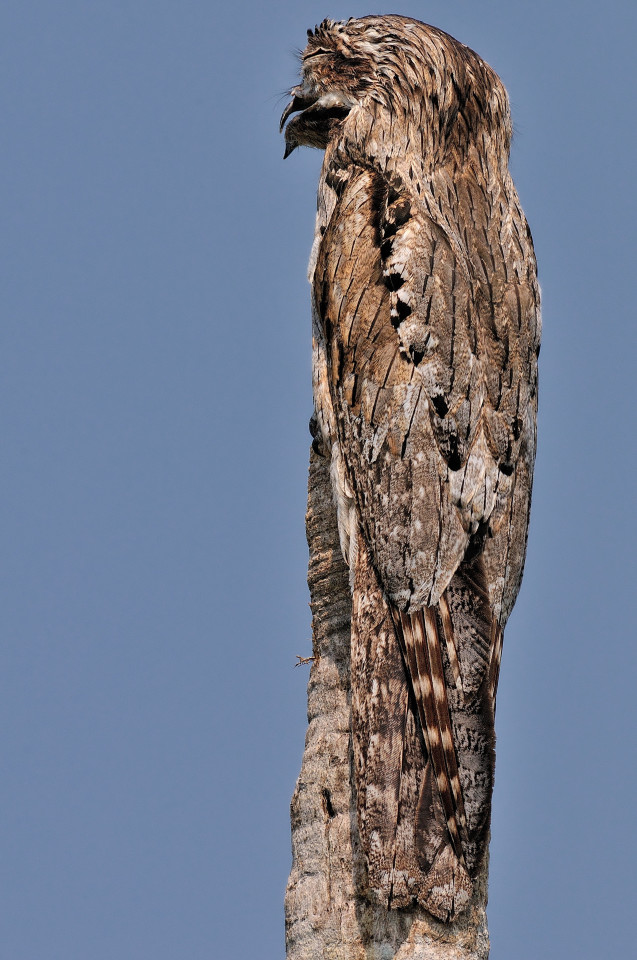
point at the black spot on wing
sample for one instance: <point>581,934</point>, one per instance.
<point>453,457</point>
<point>400,312</point>
<point>402,309</point>
<point>440,406</point>
<point>416,355</point>
<point>394,281</point>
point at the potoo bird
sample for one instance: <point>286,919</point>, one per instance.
<point>426,330</point>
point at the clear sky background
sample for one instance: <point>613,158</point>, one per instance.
<point>155,381</point>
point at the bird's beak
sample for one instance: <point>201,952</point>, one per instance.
<point>298,102</point>
<point>315,122</point>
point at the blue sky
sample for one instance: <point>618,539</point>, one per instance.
<point>155,381</point>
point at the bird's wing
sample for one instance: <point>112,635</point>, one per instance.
<point>431,326</point>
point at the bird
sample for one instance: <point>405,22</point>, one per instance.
<point>426,335</point>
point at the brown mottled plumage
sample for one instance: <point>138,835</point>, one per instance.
<point>426,336</point>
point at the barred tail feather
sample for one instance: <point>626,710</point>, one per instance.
<point>422,718</point>
<point>419,633</point>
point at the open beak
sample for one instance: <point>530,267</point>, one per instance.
<point>297,103</point>
<point>316,120</point>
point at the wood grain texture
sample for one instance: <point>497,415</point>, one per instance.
<point>426,331</point>
<point>328,911</point>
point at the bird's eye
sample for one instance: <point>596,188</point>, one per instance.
<point>316,53</point>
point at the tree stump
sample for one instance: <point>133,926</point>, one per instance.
<point>328,915</point>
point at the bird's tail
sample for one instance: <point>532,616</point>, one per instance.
<point>423,704</point>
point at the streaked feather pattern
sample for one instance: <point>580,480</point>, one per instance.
<point>426,334</point>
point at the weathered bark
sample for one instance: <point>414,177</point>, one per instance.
<point>328,916</point>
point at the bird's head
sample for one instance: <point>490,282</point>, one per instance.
<point>337,72</point>
<point>385,70</point>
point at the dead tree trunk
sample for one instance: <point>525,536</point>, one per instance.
<point>328,916</point>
